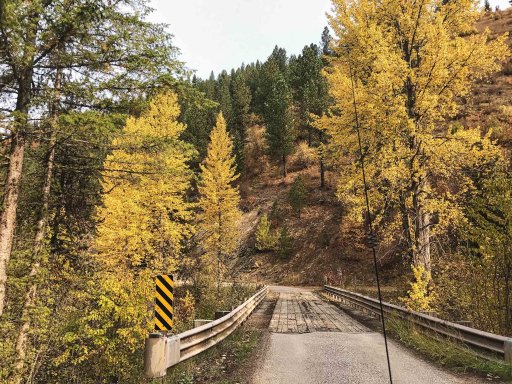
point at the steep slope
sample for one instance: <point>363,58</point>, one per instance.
<point>326,248</point>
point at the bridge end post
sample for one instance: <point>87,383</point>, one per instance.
<point>154,356</point>
<point>508,351</point>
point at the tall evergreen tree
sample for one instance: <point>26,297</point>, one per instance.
<point>241,108</point>
<point>281,133</point>
<point>223,96</point>
<point>298,195</point>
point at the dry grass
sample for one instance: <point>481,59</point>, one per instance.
<point>489,97</point>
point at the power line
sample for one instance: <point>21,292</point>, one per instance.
<point>370,221</point>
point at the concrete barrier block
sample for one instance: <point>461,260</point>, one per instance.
<point>154,356</point>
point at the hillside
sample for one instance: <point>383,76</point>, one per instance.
<point>491,104</point>
<point>323,246</point>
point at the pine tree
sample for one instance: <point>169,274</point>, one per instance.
<point>311,92</point>
<point>219,200</point>
<point>241,108</point>
<point>298,195</point>
<point>281,133</point>
<point>326,41</point>
<point>487,6</point>
<point>398,94</point>
<point>223,96</point>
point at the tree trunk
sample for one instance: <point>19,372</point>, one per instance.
<point>13,180</point>
<point>406,226</point>
<point>31,294</point>
<point>285,173</point>
<point>322,173</point>
<point>322,165</point>
<point>421,249</point>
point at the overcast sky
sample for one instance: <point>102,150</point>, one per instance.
<point>217,35</point>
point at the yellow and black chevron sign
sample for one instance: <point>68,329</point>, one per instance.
<point>164,298</point>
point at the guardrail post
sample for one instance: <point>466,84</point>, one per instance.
<point>154,356</point>
<point>508,351</point>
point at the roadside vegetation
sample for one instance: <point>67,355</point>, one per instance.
<point>448,352</point>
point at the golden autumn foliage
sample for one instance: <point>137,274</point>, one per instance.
<point>219,200</point>
<point>399,72</point>
<point>144,221</point>
<point>419,298</point>
<point>146,216</point>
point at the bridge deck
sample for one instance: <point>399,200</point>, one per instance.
<point>304,312</point>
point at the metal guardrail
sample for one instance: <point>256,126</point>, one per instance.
<point>480,340</point>
<point>162,352</point>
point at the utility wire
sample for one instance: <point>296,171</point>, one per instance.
<point>370,221</point>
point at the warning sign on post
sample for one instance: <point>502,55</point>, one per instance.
<point>164,298</point>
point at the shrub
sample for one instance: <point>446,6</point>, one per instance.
<point>419,297</point>
<point>266,240</point>
<point>305,156</point>
<point>276,213</point>
<point>255,158</point>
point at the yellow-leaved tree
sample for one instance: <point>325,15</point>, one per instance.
<point>143,224</point>
<point>219,200</point>
<point>398,73</point>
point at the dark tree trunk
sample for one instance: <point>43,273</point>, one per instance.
<point>13,179</point>
<point>31,294</point>
<point>322,173</point>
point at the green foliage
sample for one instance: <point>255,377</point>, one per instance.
<point>266,239</point>
<point>298,195</point>
<point>285,244</point>
<point>483,260</point>
<point>276,213</point>
<point>198,113</point>
<point>310,87</point>
<point>281,133</point>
